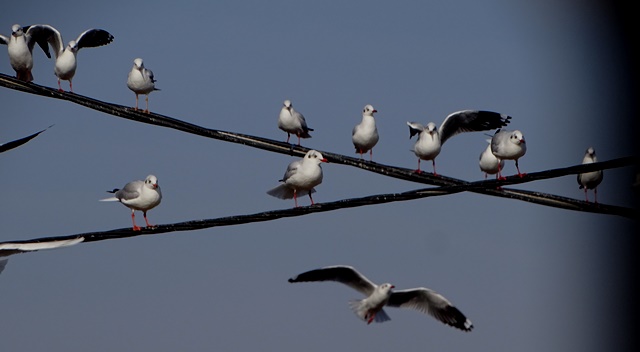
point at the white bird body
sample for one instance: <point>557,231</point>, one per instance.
<point>300,178</point>
<point>431,138</point>
<point>138,195</point>
<point>508,145</point>
<point>293,122</point>
<point>590,180</point>
<point>20,48</point>
<point>371,309</point>
<point>141,81</point>
<point>365,134</point>
<point>66,60</point>
<point>489,164</point>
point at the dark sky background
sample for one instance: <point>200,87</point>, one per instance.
<point>531,278</point>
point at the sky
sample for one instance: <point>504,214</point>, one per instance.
<point>530,278</point>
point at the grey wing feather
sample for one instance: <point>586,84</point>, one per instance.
<point>4,40</point>
<point>414,128</point>
<point>93,37</point>
<point>292,168</point>
<point>130,191</point>
<point>428,301</point>
<point>44,34</point>
<point>471,121</point>
<point>339,273</point>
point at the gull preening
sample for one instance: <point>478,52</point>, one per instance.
<point>138,195</point>
<point>20,47</point>
<point>370,309</point>
<point>590,180</point>
<point>141,81</point>
<point>489,164</point>
<point>365,134</point>
<point>293,122</point>
<point>66,57</point>
<point>300,178</point>
<point>431,138</point>
<point>508,145</point>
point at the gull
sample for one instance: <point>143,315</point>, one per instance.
<point>590,180</point>
<point>489,164</point>
<point>431,139</point>
<point>66,57</point>
<point>138,195</point>
<point>365,134</point>
<point>371,308</point>
<point>140,81</point>
<point>509,145</point>
<point>300,178</point>
<point>20,46</point>
<point>293,122</point>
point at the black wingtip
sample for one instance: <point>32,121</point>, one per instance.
<point>114,190</point>
<point>291,280</point>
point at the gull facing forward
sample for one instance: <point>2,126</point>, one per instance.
<point>141,81</point>
<point>590,180</point>
<point>293,122</point>
<point>370,309</point>
<point>20,47</point>
<point>365,134</point>
<point>431,139</point>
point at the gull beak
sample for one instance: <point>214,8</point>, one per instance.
<point>324,160</point>
<point>155,185</point>
<point>393,286</point>
<point>374,110</point>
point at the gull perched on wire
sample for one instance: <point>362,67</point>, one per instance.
<point>293,122</point>
<point>141,81</point>
<point>509,145</point>
<point>20,47</point>
<point>489,164</point>
<point>300,178</point>
<point>138,195</point>
<point>66,57</point>
<point>590,180</point>
<point>370,309</point>
<point>431,138</point>
<point>365,134</point>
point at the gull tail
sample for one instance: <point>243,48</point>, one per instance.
<point>282,192</point>
<point>360,308</point>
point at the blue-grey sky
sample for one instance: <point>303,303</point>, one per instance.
<point>530,278</point>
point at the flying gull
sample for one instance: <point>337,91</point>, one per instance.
<point>371,309</point>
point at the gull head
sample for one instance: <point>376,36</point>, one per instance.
<point>16,30</point>
<point>316,157</point>
<point>72,46</point>
<point>517,137</point>
<point>386,288</point>
<point>591,152</point>
<point>431,128</point>
<point>368,110</point>
<point>138,63</point>
<point>151,181</point>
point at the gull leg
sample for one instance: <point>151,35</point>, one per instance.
<point>59,86</point>
<point>71,86</point>
<point>371,154</point>
<point>499,176</point>
<point>595,195</point>
<point>434,167</point>
<point>144,213</point>
<point>298,134</point>
<point>146,99</point>
<point>519,173</point>
<point>133,218</point>
<point>312,203</point>
<point>418,171</point>
<point>288,136</point>
<point>295,198</point>
<point>136,101</point>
